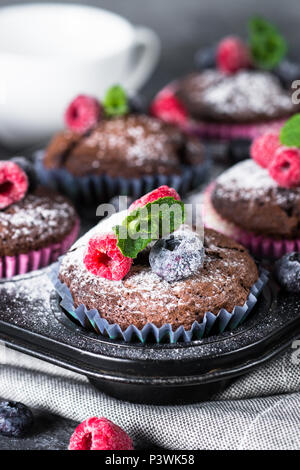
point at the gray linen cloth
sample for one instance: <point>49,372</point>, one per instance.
<point>260,410</point>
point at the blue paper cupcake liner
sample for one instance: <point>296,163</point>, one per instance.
<point>95,189</point>
<point>211,323</point>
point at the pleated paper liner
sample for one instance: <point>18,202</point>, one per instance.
<point>94,189</point>
<point>92,319</point>
<point>23,263</point>
<point>258,245</point>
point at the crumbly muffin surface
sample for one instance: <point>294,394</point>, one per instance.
<point>40,219</point>
<point>245,97</point>
<point>128,146</point>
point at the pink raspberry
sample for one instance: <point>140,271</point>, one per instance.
<point>263,148</point>
<point>100,434</point>
<point>13,183</point>
<point>162,191</point>
<point>104,258</point>
<point>285,167</point>
<point>169,109</point>
<point>82,113</point>
<point>232,55</point>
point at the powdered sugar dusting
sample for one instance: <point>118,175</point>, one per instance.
<point>247,180</point>
<point>140,138</point>
<point>245,95</point>
<point>36,217</point>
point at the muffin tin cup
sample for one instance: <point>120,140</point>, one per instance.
<point>94,189</point>
<point>211,323</point>
<point>23,263</point>
<point>222,131</point>
<point>258,245</point>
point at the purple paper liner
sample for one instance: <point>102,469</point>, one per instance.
<point>94,189</point>
<point>25,262</point>
<point>224,320</point>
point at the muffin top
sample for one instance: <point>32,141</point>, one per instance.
<point>142,296</point>
<point>130,146</point>
<point>40,219</point>
<point>247,196</point>
<point>245,97</point>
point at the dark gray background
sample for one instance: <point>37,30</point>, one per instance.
<point>183,26</point>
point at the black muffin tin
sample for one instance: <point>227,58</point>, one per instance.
<point>32,321</point>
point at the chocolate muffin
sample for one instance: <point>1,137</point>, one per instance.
<point>130,146</point>
<point>233,109</point>
<point>38,220</point>
<point>142,296</point>
<point>35,231</point>
<point>248,197</point>
<point>249,96</point>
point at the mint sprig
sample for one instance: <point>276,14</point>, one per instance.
<point>268,47</point>
<point>115,102</point>
<point>290,132</point>
<point>155,220</point>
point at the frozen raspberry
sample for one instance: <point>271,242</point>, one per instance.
<point>104,258</point>
<point>177,257</point>
<point>15,419</point>
<point>263,148</point>
<point>100,434</point>
<point>162,191</point>
<point>168,108</point>
<point>82,113</point>
<point>13,183</point>
<point>285,167</point>
<point>232,55</point>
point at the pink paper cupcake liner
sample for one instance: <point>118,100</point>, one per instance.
<point>258,245</point>
<point>215,130</point>
<point>233,131</point>
<point>23,263</point>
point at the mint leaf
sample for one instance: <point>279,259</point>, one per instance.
<point>267,45</point>
<point>155,220</point>
<point>115,102</point>
<point>290,132</point>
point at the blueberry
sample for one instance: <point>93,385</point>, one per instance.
<point>287,271</point>
<point>205,58</point>
<point>137,104</point>
<point>28,167</point>
<point>177,257</point>
<point>15,419</point>
<point>287,71</point>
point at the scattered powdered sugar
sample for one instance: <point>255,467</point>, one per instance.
<point>250,93</point>
<point>140,138</point>
<point>247,180</point>
<point>37,217</point>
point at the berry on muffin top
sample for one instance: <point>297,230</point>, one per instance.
<point>279,153</point>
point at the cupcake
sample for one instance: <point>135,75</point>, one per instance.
<point>109,150</point>
<point>176,286</point>
<point>257,201</point>
<point>36,226</point>
<point>236,96</point>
